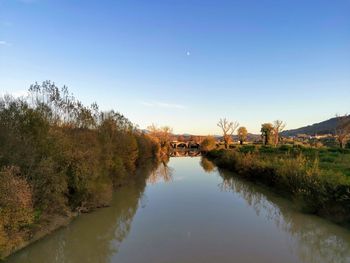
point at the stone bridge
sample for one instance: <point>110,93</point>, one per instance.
<point>184,145</point>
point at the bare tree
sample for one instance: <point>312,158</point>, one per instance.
<point>166,133</point>
<point>228,128</point>
<point>342,130</point>
<point>278,127</point>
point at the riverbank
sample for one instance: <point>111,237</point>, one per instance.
<point>297,174</point>
<point>37,232</point>
<point>59,157</point>
<point>193,215</point>
<point>49,224</point>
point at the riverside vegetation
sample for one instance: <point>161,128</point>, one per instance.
<point>58,158</point>
<point>317,180</point>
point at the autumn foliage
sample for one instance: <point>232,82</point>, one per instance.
<point>58,156</point>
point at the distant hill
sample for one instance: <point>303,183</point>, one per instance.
<point>324,127</point>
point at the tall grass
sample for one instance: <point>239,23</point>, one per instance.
<point>296,175</point>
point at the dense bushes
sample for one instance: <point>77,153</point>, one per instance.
<point>208,144</point>
<point>16,208</point>
<point>320,191</point>
<point>59,156</point>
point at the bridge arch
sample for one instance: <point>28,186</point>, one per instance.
<point>176,144</point>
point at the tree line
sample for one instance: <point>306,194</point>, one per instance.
<point>270,133</point>
<point>58,156</point>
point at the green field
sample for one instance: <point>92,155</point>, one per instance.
<point>332,159</point>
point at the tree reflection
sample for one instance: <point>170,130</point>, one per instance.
<point>162,173</point>
<point>207,165</point>
<point>314,239</point>
<point>185,153</point>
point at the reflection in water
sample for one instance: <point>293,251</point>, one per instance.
<point>162,173</point>
<point>207,165</point>
<point>92,237</point>
<point>194,153</point>
<point>314,239</point>
<point>193,220</point>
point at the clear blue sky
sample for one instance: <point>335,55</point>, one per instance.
<point>185,63</point>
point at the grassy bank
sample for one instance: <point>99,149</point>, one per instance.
<point>317,180</point>
<point>59,157</point>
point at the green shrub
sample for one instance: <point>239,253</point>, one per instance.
<point>208,144</point>
<point>267,149</point>
<point>347,146</point>
<point>247,149</point>
<point>285,148</point>
<point>339,150</point>
<point>328,158</point>
<point>316,190</point>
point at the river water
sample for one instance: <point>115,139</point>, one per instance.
<point>189,211</point>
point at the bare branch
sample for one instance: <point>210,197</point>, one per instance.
<point>228,128</point>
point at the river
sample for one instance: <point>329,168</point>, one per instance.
<point>189,211</point>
